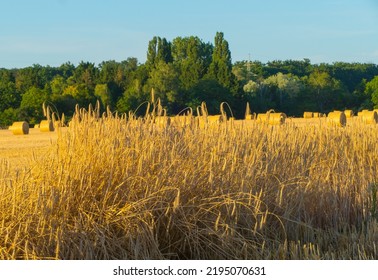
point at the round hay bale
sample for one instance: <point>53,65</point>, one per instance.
<point>369,117</point>
<point>337,118</point>
<point>19,128</point>
<point>349,113</point>
<point>262,118</point>
<point>360,114</point>
<point>308,115</point>
<point>276,118</point>
<point>316,115</point>
<point>214,119</point>
<point>36,125</point>
<point>46,126</point>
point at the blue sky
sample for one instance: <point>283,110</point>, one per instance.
<point>52,32</point>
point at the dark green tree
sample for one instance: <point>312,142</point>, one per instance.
<point>220,68</point>
<point>86,74</point>
<point>8,95</point>
<point>192,58</point>
<point>112,78</point>
<point>132,98</point>
<point>327,92</point>
<point>66,70</point>
<point>159,49</point>
<point>136,92</point>
<point>8,116</point>
<point>211,92</point>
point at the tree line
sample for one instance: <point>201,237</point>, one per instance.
<point>183,73</point>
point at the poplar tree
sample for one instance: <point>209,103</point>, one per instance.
<point>159,49</point>
<point>220,68</point>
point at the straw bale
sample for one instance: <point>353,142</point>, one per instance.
<point>316,115</point>
<point>19,128</point>
<point>46,126</point>
<point>337,118</point>
<point>349,113</point>
<point>276,118</point>
<point>262,118</point>
<point>360,114</point>
<point>214,119</point>
<point>370,117</point>
<point>308,115</point>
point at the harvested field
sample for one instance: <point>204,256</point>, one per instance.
<point>113,188</point>
<point>20,150</point>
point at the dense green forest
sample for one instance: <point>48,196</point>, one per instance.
<point>185,72</point>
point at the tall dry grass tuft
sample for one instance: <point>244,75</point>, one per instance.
<point>118,187</point>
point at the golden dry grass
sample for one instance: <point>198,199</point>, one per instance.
<point>21,150</point>
<point>113,188</point>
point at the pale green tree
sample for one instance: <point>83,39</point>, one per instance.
<point>287,85</point>
<point>102,93</point>
<point>164,80</point>
<point>250,87</point>
<point>371,89</point>
<point>31,104</point>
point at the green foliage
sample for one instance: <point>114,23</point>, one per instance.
<point>31,105</point>
<point>159,50</point>
<point>192,58</point>
<point>326,91</point>
<point>102,93</point>
<point>220,68</point>
<point>212,92</point>
<point>164,80</point>
<point>86,74</point>
<point>8,95</point>
<point>285,89</point>
<point>8,116</point>
<point>64,104</point>
<point>296,67</point>
<point>185,72</point>
<point>132,98</point>
<point>372,91</point>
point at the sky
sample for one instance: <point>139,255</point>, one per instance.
<point>53,32</point>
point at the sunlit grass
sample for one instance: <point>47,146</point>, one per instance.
<point>113,188</point>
